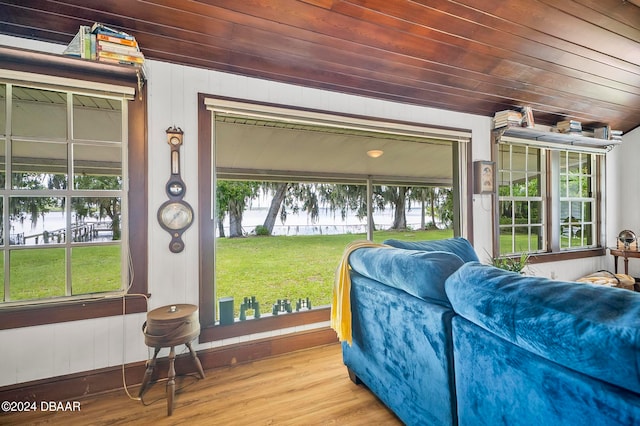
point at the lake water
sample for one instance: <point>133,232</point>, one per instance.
<point>328,223</point>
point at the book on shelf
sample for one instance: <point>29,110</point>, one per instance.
<point>117,40</point>
<point>99,28</point>
<point>107,46</point>
<point>507,118</point>
<point>121,57</point>
<point>101,43</point>
<point>569,126</point>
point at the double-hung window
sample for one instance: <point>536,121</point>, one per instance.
<point>547,199</point>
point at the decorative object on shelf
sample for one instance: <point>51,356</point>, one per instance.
<point>484,177</point>
<point>175,215</point>
<point>527,117</point>
<point>303,304</point>
<point>249,303</point>
<point>282,306</point>
<point>225,309</point>
<point>627,240</point>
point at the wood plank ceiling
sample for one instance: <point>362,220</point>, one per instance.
<point>577,59</point>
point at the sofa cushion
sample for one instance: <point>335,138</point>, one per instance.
<point>458,246</point>
<point>588,328</point>
<point>421,274</point>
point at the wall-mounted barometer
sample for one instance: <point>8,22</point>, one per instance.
<point>175,215</point>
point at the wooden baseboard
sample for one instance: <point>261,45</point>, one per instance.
<point>78,385</point>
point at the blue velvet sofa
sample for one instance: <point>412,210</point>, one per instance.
<point>443,340</point>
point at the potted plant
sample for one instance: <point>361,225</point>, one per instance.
<point>513,264</point>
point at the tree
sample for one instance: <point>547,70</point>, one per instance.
<point>100,207</point>
<point>232,196</point>
<point>397,196</point>
<point>279,195</point>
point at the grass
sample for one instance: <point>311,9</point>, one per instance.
<point>290,267</point>
<point>269,268</point>
<point>40,272</point>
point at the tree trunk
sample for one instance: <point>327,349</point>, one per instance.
<point>235,219</point>
<point>433,207</point>
<point>423,209</point>
<point>400,218</point>
<point>274,208</point>
<point>220,228</point>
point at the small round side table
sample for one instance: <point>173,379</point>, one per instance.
<point>167,327</point>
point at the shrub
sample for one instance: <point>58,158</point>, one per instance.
<point>262,230</point>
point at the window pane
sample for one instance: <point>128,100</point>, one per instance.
<point>37,273</point>
<point>39,165</point>
<point>97,167</point>
<point>37,220</point>
<point>96,219</point>
<point>3,109</point>
<point>39,113</point>
<point>506,212</point>
<point>533,185</point>
<point>521,213</point>
<point>519,184</point>
<point>504,183</point>
<point>506,240</point>
<point>2,163</point>
<point>95,269</point>
<point>2,295</point>
<point>97,119</point>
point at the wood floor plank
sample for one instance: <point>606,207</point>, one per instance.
<point>308,387</point>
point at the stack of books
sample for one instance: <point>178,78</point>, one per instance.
<point>507,118</point>
<point>104,44</point>
<point>615,135</point>
<point>569,126</point>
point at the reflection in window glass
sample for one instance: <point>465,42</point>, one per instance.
<point>39,165</point>
<point>97,167</point>
<point>38,113</point>
<point>86,261</point>
<point>97,119</point>
<point>37,220</point>
<point>96,219</point>
<point>37,273</point>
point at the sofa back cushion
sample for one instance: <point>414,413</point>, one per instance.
<point>588,328</point>
<point>421,274</point>
<point>458,246</point>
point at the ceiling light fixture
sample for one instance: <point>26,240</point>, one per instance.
<point>375,153</point>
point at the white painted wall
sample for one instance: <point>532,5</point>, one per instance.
<point>45,351</point>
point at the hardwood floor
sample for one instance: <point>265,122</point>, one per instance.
<point>307,387</point>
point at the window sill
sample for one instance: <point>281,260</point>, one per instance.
<point>567,255</point>
<point>265,324</point>
<point>71,310</point>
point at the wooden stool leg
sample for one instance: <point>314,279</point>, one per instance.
<point>171,385</point>
<point>148,373</point>
<point>194,356</point>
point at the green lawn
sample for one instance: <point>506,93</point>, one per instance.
<point>289,267</point>
<point>40,272</point>
<point>269,268</point>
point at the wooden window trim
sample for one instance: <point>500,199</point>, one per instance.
<point>77,309</point>
<point>207,312</point>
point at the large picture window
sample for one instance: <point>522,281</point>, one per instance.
<point>62,196</point>
<point>546,199</point>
